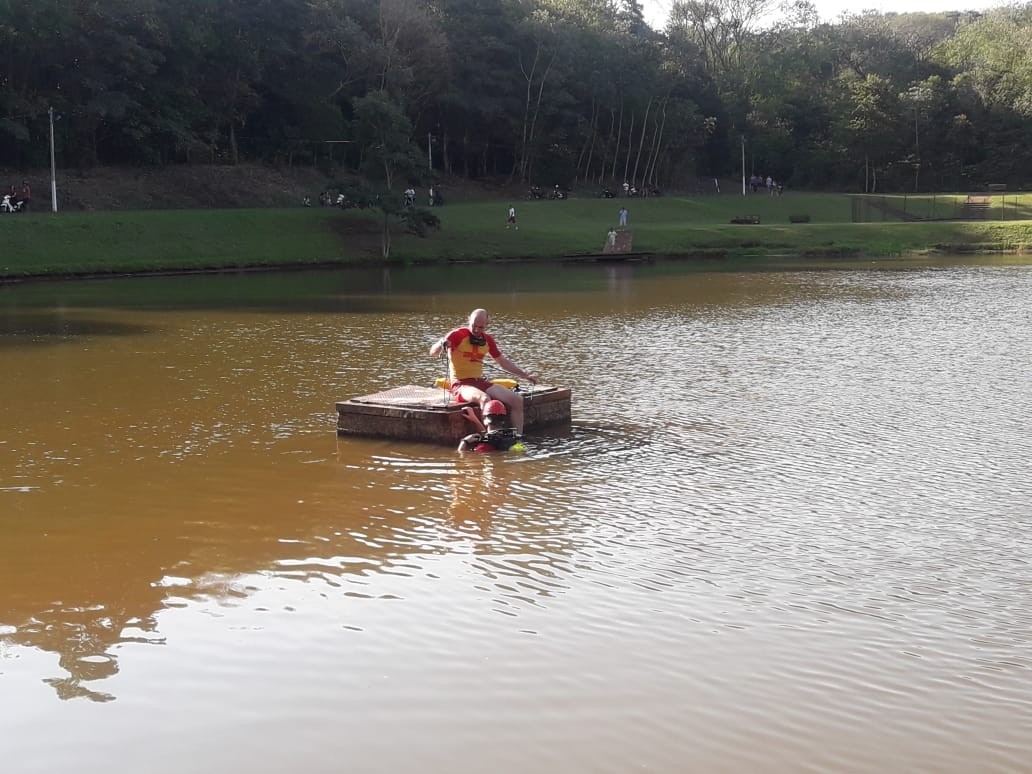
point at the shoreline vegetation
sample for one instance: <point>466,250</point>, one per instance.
<point>72,245</point>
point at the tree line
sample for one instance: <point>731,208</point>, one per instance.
<point>574,92</point>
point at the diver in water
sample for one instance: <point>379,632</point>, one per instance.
<point>493,434</point>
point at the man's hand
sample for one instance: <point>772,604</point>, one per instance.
<point>439,346</point>
<point>470,414</point>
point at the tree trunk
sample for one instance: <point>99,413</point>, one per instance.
<point>917,154</point>
<point>657,144</point>
<point>520,160</point>
<point>630,139</point>
<point>616,144</point>
<point>589,144</point>
<point>537,112</point>
<point>605,151</point>
<point>641,141</point>
<point>531,111</point>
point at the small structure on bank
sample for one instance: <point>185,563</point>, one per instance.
<point>413,413</point>
<point>617,247</point>
<point>618,240</point>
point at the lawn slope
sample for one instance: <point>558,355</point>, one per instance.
<point>74,244</point>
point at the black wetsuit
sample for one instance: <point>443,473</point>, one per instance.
<point>499,440</point>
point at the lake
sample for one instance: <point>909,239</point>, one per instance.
<point>788,530</point>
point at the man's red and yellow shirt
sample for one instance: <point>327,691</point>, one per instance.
<point>466,359</point>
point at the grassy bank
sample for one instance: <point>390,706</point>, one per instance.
<point>141,241</point>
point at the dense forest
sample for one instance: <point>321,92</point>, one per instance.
<point>575,92</point>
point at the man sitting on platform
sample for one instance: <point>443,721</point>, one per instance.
<point>466,347</point>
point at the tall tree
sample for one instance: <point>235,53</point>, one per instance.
<point>721,29</point>
<point>542,42</point>
<point>385,133</point>
<point>921,101</point>
<point>992,60</point>
<point>869,123</point>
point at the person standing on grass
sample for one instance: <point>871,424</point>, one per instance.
<point>623,216</point>
<point>512,218</point>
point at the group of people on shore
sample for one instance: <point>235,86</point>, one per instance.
<point>758,183</point>
<point>434,197</point>
<point>557,193</point>
<point>499,425</point>
<point>15,200</point>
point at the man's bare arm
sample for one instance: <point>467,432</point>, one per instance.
<point>510,367</point>
<point>438,347</point>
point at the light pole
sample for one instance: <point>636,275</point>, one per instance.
<point>53,165</point>
<point>331,143</point>
<point>743,165</point>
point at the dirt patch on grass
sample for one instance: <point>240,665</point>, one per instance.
<point>203,186</point>
<point>174,187</point>
<point>361,234</point>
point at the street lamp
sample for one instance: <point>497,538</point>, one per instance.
<point>743,165</point>
<point>53,165</point>
<point>331,143</point>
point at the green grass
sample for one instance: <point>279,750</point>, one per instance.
<point>700,226</point>
<point>1010,206</point>
<point>177,240</point>
<point>165,239</point>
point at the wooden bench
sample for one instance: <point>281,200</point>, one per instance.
<point>752,220</point>
<point>798,218</point>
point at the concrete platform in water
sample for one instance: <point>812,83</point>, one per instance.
<point>413,413</point>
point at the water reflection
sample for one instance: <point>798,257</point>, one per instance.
<point>21,328</point>
<point>221,541</point>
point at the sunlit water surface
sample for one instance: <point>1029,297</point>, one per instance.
<point>789,529</point>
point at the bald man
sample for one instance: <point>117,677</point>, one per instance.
<point>467,347</point>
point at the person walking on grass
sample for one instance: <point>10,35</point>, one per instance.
<point>511,222</point>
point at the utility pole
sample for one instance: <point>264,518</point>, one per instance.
<point>429,151</point>
<point>743,165</point>
<point>53,165</point>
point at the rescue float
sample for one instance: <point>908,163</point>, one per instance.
<point>431,415</point>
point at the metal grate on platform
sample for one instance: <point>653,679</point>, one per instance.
<point>409,395</point>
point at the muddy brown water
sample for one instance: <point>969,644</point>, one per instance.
<point>789,529</point>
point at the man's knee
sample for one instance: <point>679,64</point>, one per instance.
<point>467,394</point>
<point>513,400</point>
